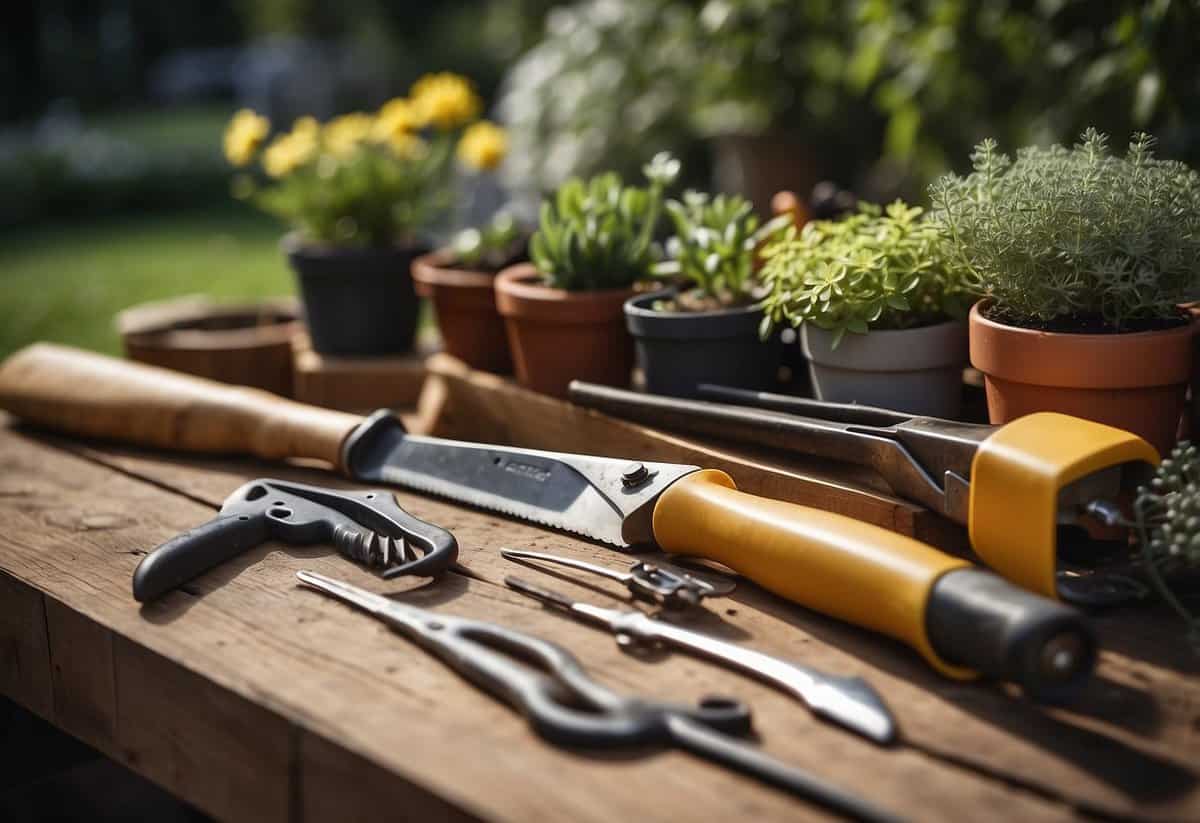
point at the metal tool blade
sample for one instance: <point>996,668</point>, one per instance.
<point>598,497</point>
<point>569,562</point>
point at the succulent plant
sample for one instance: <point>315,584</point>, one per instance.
<point>599,234</point>
<point>490,246</point>
<point>883,269</point>
<point>714,243</point>
<point>1065,238</point>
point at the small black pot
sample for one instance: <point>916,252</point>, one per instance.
<point>358,301</point>
<point>677,351</point>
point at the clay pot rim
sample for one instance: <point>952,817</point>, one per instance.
<point>1162,356</point>
<point>435,269</point>
<point>174,329</point>
<point>517,296</point>
<point>731,323</point>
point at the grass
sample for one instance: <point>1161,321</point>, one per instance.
<point>65,281</point>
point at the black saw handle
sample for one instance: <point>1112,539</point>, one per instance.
<point>366,526</point>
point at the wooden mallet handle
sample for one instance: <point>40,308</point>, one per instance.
<point>84,393</point>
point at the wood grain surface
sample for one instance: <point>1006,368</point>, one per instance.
<point>256,700</point>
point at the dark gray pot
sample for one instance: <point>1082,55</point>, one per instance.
<point>677,351</point>
<point>357,301</point>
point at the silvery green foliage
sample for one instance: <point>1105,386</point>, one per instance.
<point>714,242</point>
<point>599,234</point>
<point>606,86</point>
<point>1167,519</point>
<point>1076,233</point>
<point>875,269</point>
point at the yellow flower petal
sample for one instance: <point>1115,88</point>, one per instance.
<point>446,100</point>
<point>245,133</point>
<point>344,134</point>
<point>483,145</point>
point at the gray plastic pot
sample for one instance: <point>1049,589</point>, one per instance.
<point>679,350</point>
<point>913,370</point>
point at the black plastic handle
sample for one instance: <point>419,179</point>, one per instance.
<point>368,527</point>
<point>196,551</point>
<point>979,620</point>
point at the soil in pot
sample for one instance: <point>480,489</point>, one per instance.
<point>357,301</point>
<point>464,302</point>
<point>680,349</point>
<point>1135,381</point>
<point>918,371</point>
<point>557,336</point>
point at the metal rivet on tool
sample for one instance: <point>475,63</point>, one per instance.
<point>633,474</point>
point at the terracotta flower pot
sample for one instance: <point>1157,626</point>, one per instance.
<point>464,302</point>
<point>1134,382</point>
<point>557,336</point>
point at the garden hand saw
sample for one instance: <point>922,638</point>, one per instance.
<point>963,620</point>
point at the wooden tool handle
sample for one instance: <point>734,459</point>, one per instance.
<point>828,562</point>
<point>89,394</point>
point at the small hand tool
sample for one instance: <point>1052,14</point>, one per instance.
<point>1011,485</point>
<point>567,708</point>
<point>848,701</point>
<point>963,621</point>
<point>657,583</point>
<point>366,526</point>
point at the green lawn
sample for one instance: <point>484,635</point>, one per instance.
<point>65,281</point>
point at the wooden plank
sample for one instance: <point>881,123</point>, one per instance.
<point>345,678</point>
<point>469,405</point>
<point>1128,747</point>
<point>82,670</point>
<point>357,383</point>
<point>24,650</point>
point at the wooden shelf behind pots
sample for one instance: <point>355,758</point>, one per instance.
<point>360,384</point>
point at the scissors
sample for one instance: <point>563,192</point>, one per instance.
<point>567,708</point>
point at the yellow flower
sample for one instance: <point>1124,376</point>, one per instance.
<point>445,100</point>
<point>245,133</point>
<point>406,146</point>
<point>483,145</point>
<point>342,135</point>
<point>290,151</point>
<point>397,115</point>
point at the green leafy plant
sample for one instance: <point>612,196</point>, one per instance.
<point>875,269</point>
<point>1068,238</point>
<point>1167,522</point>
<point>490,246</point>
<point>714,243</point>
<point>600,234</point>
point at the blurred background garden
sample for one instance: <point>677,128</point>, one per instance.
<point>115,190</point>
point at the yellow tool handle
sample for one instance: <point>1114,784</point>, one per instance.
<point>828,562</point>
<point>90,394</point>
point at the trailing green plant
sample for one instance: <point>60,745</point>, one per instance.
<point>714,243</point>
<point>1167,522</point>
<point>877,269</point>
<point>600,234</point>
<point>1065,237</point>
<point>490,246</point>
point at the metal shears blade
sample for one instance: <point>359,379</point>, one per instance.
<point>850,702</point>
<point>654,582</point>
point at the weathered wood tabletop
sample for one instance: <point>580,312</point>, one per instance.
<point>256,700</point>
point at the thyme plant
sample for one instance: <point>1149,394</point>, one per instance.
<point>600,234</point>
<point>1069,238</point>
<point>714,243</point>
<point>881,269</point>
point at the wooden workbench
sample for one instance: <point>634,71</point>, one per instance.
<point>256,700</point>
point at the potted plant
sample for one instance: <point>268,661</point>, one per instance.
<point>563,311</point>
<point>878,306</point>
<point>359,192</point>
<point>458,279</point>
<point>1083,259</point>
<point>707,332</point>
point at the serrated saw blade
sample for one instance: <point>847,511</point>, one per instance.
<point>591,496</point>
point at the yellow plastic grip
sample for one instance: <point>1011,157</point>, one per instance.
<point>828,562</point>
<point>1016,477</point>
